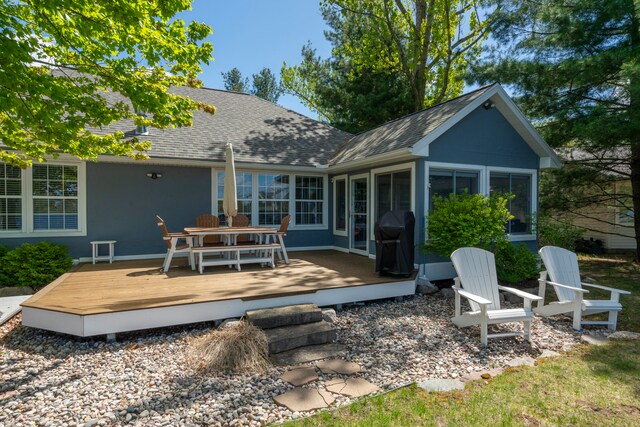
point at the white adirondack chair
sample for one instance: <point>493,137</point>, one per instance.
<point>562,269</point>
<point>477,281</point>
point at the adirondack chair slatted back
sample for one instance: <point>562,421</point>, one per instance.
<point>562,266</point>
<point>241,221</point>
<point>165,232</point>
<point>208,221</point>
<point>476,269</point>
<point>284,225</point>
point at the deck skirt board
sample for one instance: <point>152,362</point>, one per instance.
<point>130,295</point>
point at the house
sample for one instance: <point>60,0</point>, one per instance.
<point>610,219</point>
<point>334,185</point>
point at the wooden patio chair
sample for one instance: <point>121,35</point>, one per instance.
<point>477,281</point>
<point>209,221</point>
<point>242,221</point>
<point>562,269</point>
<point>173,247</point>
<point>278,237</point>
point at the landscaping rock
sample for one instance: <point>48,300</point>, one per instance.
<point>548,353</point>
<point>308,354</point>
<point>447,293</point>
<point>304,399</point>
<point>521,361</point>
<point>290,337</point>
<point>268,318</point>
<point>15,291</point>
<point>441,385</point>
<point>624,335</point>
<point>353,387</point>
<point>594,339</point>
<point>427,288</point>
<point>338,366</point>
<point>485,375</point>
<point>229,323</point>
<point>300,376</point>
<point>329,315</point>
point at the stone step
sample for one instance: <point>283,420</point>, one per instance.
<point>290,337</point>
<point>311,353</point>
<point>268,318</point>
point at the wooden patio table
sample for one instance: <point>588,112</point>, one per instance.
<point>231,232</point>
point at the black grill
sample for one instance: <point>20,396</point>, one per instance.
<point>395,243</point>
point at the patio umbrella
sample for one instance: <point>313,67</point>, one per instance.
<point>230,197</point>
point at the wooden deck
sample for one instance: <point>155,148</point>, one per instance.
<point>121,288</point>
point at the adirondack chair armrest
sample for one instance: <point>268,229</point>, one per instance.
<point>605,288</point>
<point>468,295</point>
<point>521,294</point>
<point>582,291</point>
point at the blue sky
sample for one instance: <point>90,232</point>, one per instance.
<point>252,34</point>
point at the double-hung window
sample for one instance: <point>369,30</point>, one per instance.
<point>244,192</point>
<point>309,200</point>
<point>55,197</point>
<point>273,198</point>
<point>393,192</point>
<point>520,206</point>
<point>10,198</point>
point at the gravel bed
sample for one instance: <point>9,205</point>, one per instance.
<point>51,379</point>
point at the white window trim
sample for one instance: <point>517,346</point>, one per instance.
<point>27,205</point>
<point>484,174</point>
<point>389,169</point>
<point>334,180</point>
<point>292,196</point>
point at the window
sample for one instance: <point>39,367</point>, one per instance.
<point>10,198</point>
<point>244,192</point>
<point>393,192</point>
<point>273,198</point>
<point>340,206</point>
<point>520,206</point>
<point>46,199</point>
<point>445,182</point>
<point>309,200</point>
<point>55,197</point>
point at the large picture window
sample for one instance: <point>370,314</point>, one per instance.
<point>244,192</point>
<point>393,192</point>
<point>519,186</point>
<point>10,198</point>
<point>445,182</point>
<point>309,200</point>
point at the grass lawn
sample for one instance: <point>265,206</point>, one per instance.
<point>586,386</point>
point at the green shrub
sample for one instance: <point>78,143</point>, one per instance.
<point>557,232</point>
<point>3,279</point>
<point>466,220</point>
<point>34,264</point>
<point>3,251</point>
<point>515,264</point>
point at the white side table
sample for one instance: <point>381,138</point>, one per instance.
<point>95,245</point>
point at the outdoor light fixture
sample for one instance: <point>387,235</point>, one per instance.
<point>488,104</point>
<point>154,175</point>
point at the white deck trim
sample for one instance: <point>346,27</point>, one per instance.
<point>132,320</point>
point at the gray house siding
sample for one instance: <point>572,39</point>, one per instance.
<point>122,203</point>
<point>484,137</point>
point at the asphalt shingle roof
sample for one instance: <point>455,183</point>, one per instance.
<point>403,132</point>
<point>260,131</point>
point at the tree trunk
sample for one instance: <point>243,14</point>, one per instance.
<point>635,192</point>
<point>634,113</point>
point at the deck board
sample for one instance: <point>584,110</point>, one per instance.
<point>134,285</point>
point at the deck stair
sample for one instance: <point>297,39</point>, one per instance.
<point>293,326</point>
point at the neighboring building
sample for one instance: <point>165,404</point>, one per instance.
<point>335,185</point>
<point>609,223</point>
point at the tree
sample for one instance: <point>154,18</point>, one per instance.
<point>234,82</point>
<point>266,86</point>
<point>57,57</point>
<point>574,66</point>
<point>422,47</point>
